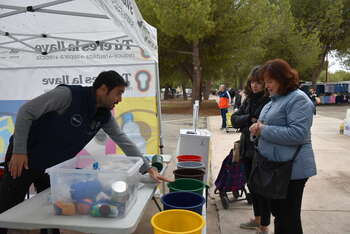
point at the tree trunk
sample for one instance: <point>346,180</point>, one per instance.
<point>206,89</point>
<point>184,91</point>
<point>318,69</point>
<point>196,84</point>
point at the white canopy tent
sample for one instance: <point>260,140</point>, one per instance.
<point>45,43</point>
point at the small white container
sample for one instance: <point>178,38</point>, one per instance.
<point>76,187</point>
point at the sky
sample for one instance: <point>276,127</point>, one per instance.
<point>334,64</point>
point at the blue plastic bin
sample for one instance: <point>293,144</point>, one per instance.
<point>183,200</point>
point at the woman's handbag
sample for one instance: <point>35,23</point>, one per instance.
<point>269,178</point>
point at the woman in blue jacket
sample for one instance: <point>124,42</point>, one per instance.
<point>284,124</point>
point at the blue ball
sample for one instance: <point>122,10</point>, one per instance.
<point>85,189</point>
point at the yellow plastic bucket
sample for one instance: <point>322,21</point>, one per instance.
<point>177,222</point>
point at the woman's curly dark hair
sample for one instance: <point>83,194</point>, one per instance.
<point>283,73</point>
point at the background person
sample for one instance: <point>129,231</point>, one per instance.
<point>223,103</point>
<point>313,96</point>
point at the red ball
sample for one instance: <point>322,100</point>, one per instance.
<point>105,210</point>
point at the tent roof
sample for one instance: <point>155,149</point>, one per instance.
<point>89,22</point>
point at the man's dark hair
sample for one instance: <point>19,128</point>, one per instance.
<point>111,79</point>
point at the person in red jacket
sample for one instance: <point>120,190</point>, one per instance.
<point>223,103</point>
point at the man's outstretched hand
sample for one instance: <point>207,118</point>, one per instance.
<point>153,172</point>
<point>17,163</point>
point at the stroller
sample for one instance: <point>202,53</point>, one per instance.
<point>229,127</point>
<point>231,178</point>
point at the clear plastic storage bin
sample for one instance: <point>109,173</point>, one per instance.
<point>100,186</point>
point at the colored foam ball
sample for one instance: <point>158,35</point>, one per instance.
<point>84,189</point>
<point>105,210</point>
<point>64,208</point>
<point>84,206</point>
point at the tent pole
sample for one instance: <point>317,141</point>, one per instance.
<point>20,10</point>
<point>19,41</point>
<point>48,4</point>
<point>12,48</point>
<point>4,6</point>
<point>25,39</point>
<point>161,146</point>
<point>12,13</point>
<point>72,13</point>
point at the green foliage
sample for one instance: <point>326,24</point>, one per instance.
<point>343,44</point>
<point>191,19</point>
<point>285,41</point>
<point>233,49</point>
<point>329,20</point>
<point>228,32</point>
<point>234,36</point>
<point>319,16</point>
<point>335,77</point>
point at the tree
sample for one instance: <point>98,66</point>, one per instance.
<point>343,44</point>
<point>174,52</point>
<point>234,45</point>
<point>225,22</point>
<point>284,40</point>
<point>191,20</point>
<point>231,36</point>
<point>329,20</point>
<point>335,77</point>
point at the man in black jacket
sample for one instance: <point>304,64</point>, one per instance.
<point>55,126</point>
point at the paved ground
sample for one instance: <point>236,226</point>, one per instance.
<point>334,111</point>
<point>326,204</point>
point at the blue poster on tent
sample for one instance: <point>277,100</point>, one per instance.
<point>8,111</point>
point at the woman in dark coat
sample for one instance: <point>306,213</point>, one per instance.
<point>248,113</point>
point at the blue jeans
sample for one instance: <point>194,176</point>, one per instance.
<point>223,116</point>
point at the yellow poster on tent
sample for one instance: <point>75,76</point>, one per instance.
<point>137,117</point>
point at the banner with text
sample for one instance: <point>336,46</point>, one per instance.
<point>136,114</point>
<point>74,53</point>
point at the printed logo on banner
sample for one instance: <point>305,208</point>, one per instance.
<point>147,35</point>
<point>13,51</point>
<point>143,79</point>
<point>117,45</point>
<point>76,120</point>
<point>61,51</point>
<point>144,54</point>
